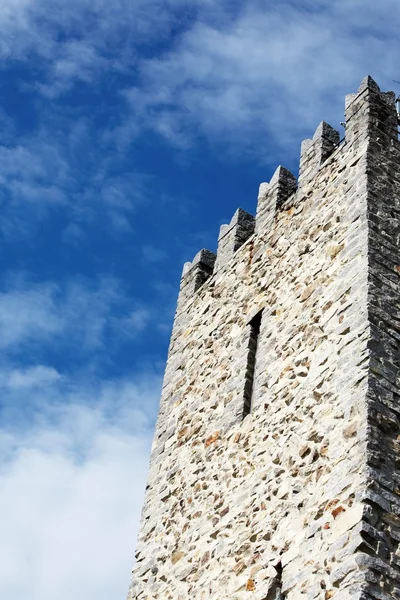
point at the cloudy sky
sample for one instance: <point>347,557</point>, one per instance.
<point>131,129</point>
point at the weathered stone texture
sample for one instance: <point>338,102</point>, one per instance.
<point>314,152</point>
<point>301,497</point>
<point>232,236</point>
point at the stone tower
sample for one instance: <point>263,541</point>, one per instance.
<point>275,468</point>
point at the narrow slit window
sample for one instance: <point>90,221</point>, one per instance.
<point>275,591</point>
<point>254,325</point>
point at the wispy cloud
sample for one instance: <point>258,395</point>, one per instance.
<point>45,312</point>
<point>233,74</point>
<point>28,378</point>
<point>71,486</point>
<point>245,79</point>
<point>77,314</point>
<point>272,71</point>
<point>152,255</point>
<point>59,169</point>
<point>94,28</point>
<point>104,97</point>
<point>74,442</point>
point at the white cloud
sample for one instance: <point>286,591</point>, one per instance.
<point>269,75</point>
<point>31,377</point>
<point>44,312</point>
<point>78,61</point>
<point>138,319</point>
<point>253,79</point>
<point>71,487</point>
<point>30,29</point>
<point>25,173</point>
<point>77,314</point>
<point>152,255</point>
<point>74,448</point>
<point>67,165</point>
<point>237,76</point>
<point>28,314</point>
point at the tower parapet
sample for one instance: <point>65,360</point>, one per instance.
<point>314,152</point>
<point>275,468</point>
<point>232,236</point>
<point>195,273</point>
<point>272,195</point>
<point>370,110</point>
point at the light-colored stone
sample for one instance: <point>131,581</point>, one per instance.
<point>275,470</point>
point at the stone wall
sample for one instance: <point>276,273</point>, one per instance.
<point>382,493</point>
<point>300,498</point>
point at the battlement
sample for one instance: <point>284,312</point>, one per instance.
<point>367,112</point>
<point>275,470</point>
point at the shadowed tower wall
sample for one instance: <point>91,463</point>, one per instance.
<point>275,467</point>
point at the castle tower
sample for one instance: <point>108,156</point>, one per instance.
<point>275,468</point>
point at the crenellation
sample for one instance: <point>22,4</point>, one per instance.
<point>234,235</point>
<point>195,273</point>
<point>370,108</point>
<point>288,487</point>
<point>314,152</point>
<point>271,197</point>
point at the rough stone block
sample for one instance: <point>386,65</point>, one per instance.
<point>301,498</point>
<point>314,152</point>
<point>234,235</point>
<point>271,196</point>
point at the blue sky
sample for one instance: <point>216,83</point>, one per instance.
<point>131,130</point>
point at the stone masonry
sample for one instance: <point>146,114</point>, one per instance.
<point>275,467</point>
